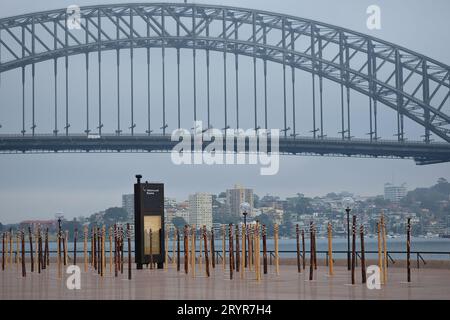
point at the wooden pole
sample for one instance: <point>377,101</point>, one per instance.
<point>150,234</point>
<point>166,251</point>
<point>94,250</point>
<point>122,238</point>
<point>205,239</point>
<point>17,249</point>
<point>24,269</point>
<point>129,250</point>
<point>353,248</point>
<point>193,248</point>
<point>258,253</point>
<point>311,255</point>
<point>250,247</point>
<point>244,252</point>
<point>174,261</point>
<point>264,249</point>
<point>99,251</point>
<point>36,244</point>
<point>47,251</point>
<point>103,249</point>
<point>38,249</point>
<point>297,235</point>
<point>383,229</point>
<point>330,249</point>
<point>380,254</point>
<point>186,250</point>
<point>230,248</point>
<point>75,235</point>
<point>303,250</point>
<point>116,251</point>
<point>110,249</point>
<point>200,258</point>
<point>178,250</point>
<point>3,251</point>
<point>314,246</point>
<point>11,240</point>
<point>93,255</point>
<point>237,254</point>
<point>30,236</point>
<point>213,250</point>
<point>223,248</point>
<point>85,232</point>
<point>277,256</point>
<point>363,256</point>
<point>408,250</point>
<point>66,244</point>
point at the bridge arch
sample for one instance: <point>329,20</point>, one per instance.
<point>415,86</point>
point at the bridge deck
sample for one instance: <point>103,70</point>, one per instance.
<point>422,153</point>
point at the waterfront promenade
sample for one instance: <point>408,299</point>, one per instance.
<point>160,284</point>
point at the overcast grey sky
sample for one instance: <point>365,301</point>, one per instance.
<point>38,186</point>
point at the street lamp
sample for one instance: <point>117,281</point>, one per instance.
<point>348,204</point>
<point>245,208</point>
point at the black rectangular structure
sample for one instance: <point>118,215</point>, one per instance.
<point>149,220</point>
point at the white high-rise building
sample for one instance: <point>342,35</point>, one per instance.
<point>394,193</point>
<point>200,210</point>
<point>128,205</point>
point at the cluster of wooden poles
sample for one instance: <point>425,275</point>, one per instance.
<point>244,250</point>
<point>243,242</point>
<point>39,253</point>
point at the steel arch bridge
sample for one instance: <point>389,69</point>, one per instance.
<point>415,87</point>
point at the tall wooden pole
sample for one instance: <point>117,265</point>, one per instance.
<point>244,252</point>
<point>38,248</point>
<point>166,252</point>
<point>314,246</point>
<point>24,271</point>
<point>297,236</point>
<point>237,254</point>
<point>75,235</point>
<point>116,251</point>
<point>408,250</point>
<point>277,256</point>
<point>250,247</point>
<point>174,261</point>
<point>30,236</point>
<point>213,250</point>
<point>330,249</point>
<point>380,252</point>
<point>264,248</point>
<point>17,248</point>
<point>193,245</point>
<point>186,250</point>
<point>129,250</point>
<point>66,244</point>
<point>363,256</point>
<point>47,251</point>
<point>150,234</point>
<point>383,228</point>
<point>230,248</point>
<point>110,234</point>
<point>122,237</point>
<point>3,250</point>
<point>86,234</point>
<point>258,253</point>
<point>303,250</point>
<point>178,250</point>
<point>104,249</point>
<point>10,246</point>
<point>311,255</point>
<point>200,258</point>
<point>353,248</point>
<point>223,248</point>
<point>58,248</point>
<point>205,239</point>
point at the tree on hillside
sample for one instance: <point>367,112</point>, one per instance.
<point>113,215</point>
<point>179,222</point>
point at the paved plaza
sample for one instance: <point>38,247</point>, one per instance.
<point>168,284</point>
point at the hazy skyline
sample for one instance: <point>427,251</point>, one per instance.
<point>37,186</point>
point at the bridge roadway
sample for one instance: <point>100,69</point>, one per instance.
<point>420,152</point>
